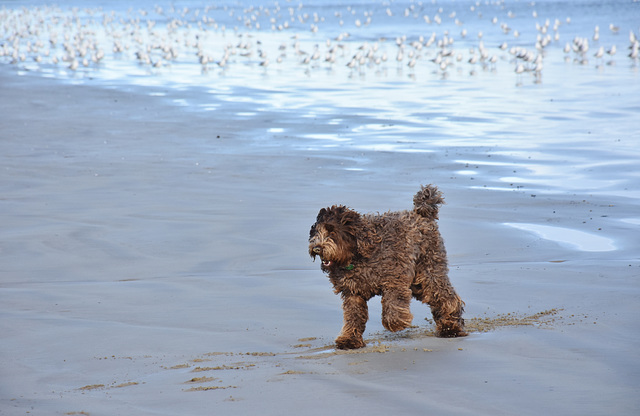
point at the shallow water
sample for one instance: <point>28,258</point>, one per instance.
<point>578,239</point>
<point>569,127</point>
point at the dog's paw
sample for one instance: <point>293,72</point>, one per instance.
<point>344,343</point>
<point>398,321</point>
<point>450,331</point>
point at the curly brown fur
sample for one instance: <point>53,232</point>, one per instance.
<point>397,255</point>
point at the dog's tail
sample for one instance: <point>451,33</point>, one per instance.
<point>426,202</point>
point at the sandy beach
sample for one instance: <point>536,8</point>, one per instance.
<point>154,253</point>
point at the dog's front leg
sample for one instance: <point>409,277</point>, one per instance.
<point>396,314</point>
<point>356,314</point>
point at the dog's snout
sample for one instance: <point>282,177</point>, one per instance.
<point>317,249</point>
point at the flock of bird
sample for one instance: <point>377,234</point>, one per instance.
<point>277,36</point>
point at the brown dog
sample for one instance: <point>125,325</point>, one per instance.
<point>398,255</point>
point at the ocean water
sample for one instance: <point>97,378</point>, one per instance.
<point>549,87</point>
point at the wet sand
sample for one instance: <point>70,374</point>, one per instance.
<point>154,262</point>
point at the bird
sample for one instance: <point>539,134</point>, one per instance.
<point>599,53</point>
<point>538,68</point>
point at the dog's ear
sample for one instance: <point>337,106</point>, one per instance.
<point>364,237</point>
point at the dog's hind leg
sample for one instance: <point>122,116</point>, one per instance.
<point>396,313</point>
<point>447,313</point>
<point>356,314</point>
<point>446,306</point>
